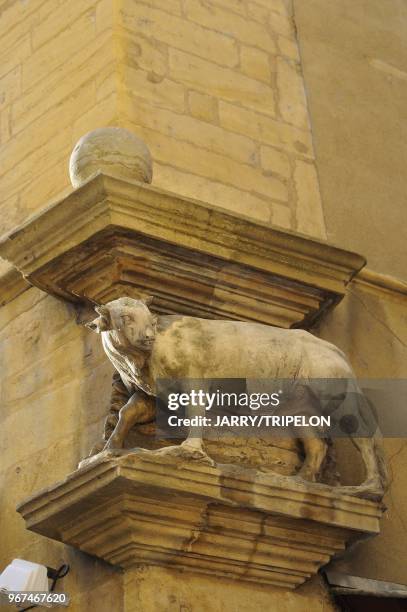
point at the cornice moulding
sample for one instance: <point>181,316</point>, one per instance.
<point>114,237</point>
<point>224,520</point>
<point>375,282</point>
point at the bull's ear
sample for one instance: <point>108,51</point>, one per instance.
<point>93,325</point>
<point>148,300</point>
<point>99,324</point>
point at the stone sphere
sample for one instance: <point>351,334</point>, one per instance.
<point>111,150</point>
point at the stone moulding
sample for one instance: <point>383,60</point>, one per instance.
<point>113,237</point>
<point>226,521</point>
<point>12,284</point>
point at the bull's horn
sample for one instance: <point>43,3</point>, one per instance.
<point>147,300</point>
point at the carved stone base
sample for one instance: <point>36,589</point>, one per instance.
<point>145,509</point>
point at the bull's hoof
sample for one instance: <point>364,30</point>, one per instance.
<point>370,489</point>
<point>306,476</point>
<point>103,454</point>
<point>186,451</point>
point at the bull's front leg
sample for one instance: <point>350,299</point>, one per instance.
<point>137,410</point>
<point>118,398</point>
<point>193,447</point>
<point>194,441</point>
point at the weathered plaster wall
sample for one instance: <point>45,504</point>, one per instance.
<point>354,55</point>
<point>371,327</point>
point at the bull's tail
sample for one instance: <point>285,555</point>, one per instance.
<point>381,464</point>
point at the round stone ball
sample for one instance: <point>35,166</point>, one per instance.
<point>110,150</point>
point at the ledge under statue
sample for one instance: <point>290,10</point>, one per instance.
<point>144,347</point>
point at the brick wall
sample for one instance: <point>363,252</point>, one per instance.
<point>56,83</point>
<point>213,86</point>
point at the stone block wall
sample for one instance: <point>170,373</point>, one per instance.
<point>55,386</point>
<point>214,87</point>
<point>216,90</point>
<point>56,82</point>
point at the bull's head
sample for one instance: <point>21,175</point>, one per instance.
<point>131,319</point>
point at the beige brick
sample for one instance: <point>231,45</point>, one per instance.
<point>10,216</point>
<point>281,24</point>
<point>14,14</point>
<point>213,166</point>
<point>255,63</point>
<point>78,69</point>
<point>265,129</point>
<point>103,114</point>
<point>309,215</point>
<point>10,86</point>
<point>60,19</point>
<point>170,6</point>
<point>221,82</point>
<point>176,32</point>
<point>23,173</point>
<point>189,129</point>
<point>15,55</point>
<point>289,48</point>
<point>57,51</point>
<point>155,88</point>
<point>46,8</point>
<point>106,81</point>
<point>142,52</point>
<point>41,132</point>
<point>258,12</point>
<point>282,216</point>
<point>292,101</point>
<point>53,183</point>
<point>15,32</point>
<point>279,6</point>
<point>203,107</point>
<point>5,125</point>
<point>237,6</point>
<point>275,162</point>
<point>227,197</point>
<point>105,16</point>
<point>242,28</point>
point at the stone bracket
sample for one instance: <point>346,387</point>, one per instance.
<point>114,237</point>
<point>143,508</point>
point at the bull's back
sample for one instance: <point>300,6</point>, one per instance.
<point>188,347</point>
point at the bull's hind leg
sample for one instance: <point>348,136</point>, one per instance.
<point>304,402</point>
<point>375,482</point>
<point>315,451</point>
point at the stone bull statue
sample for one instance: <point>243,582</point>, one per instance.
<point>144,347</point>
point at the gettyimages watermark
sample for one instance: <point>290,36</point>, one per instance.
<point>328,408</point>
